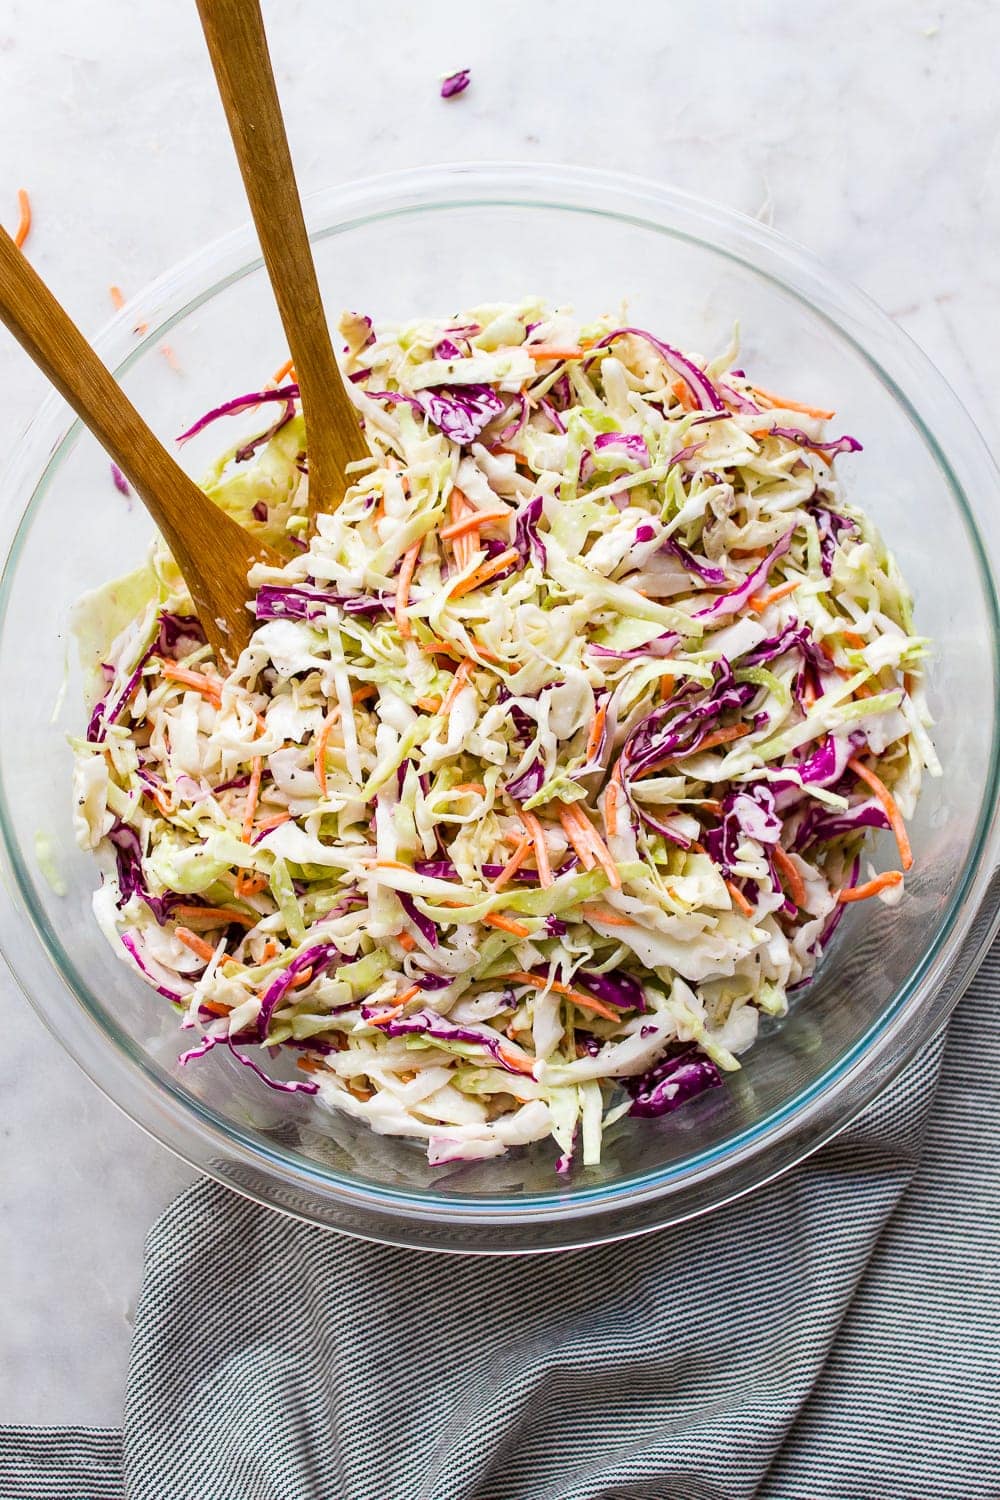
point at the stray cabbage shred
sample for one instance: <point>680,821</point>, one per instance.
<point>551,762</point>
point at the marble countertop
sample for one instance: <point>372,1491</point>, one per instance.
<point>860,130</point>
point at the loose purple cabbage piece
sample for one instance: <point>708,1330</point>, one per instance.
<point>823,823</point>
<point>845,444</point>
<point>260,511</point>
<point>445,349</point>
<point>105,714</point>
<point>557,422</point>
<point>306,1087</point>
<point>829,524</point>
<point>249,448</point>
<point>528,783</point>
<point>737,400</point>
<point>461,411</point>
<point>661,645</point>
<point>747,812</point>
<point>438,1028</point>
<point>672,1082</point>
<point>633,443</point>
<point>644,533</point>
<point>131,880</point>
<point>299,602</point>
<point>513,428</point>
<point>284,393</point>
<point>436,869</point>
<point>428,981</point>
<point>699,566</point>
<point>731,603</point>
<point>676,728</point>
<point>422,923</point>
<point>318,958</point>
<point>131,946</point>
<point>526,537</point>
<point>455,83</point>
<point>683,454</point>
<point>696,380</point>
<point>120,482</point>
<point>176,629</point>
<point>618,989</point>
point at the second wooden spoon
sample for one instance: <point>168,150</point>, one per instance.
<point>237,45</point>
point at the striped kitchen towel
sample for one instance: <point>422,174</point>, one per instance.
<point>834,1336</point>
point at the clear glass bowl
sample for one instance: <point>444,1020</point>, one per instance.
<point>440,240</point>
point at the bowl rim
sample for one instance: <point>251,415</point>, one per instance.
<point>249,1162</point>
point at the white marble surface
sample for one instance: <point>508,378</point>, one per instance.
<point>865,130</point>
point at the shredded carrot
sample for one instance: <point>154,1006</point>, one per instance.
<point>196,944</point>
<point>597,846</point>
<point>249,883</point>
<point>165,804</point>
<point>588,1002</point>
<point>854,640</point>
<point>211,687</point>
<point>215,1007</point>
<point>270,950</point>
<point>537,836</point>
<point>463,545</point>
<point>576,838</point>
<point>406,942</point>
<point>220,915</point>
<point>462,674</point>
<point>890,806</point>
<point>473,522</point>
<point>712,805</point>
<point>24,218</point>
<point>596,730</point>
<point>610,808</point>
<point>429,705</point>
<point>171,358</point>
<point>606,915</point>
<point>117,298</point>
<point>392,864</point>
<point>513,864</point>
<point>385,1016</point>
<point>739,900</point>
<point>871,887</point>
<point>485,572</point>
<point>506,924</point>
<point>680,392</point>
<point>769,399</point>
<point>322,741</point>
<point>266,824</point>
<point>403,589</point>
<point>288,368</point>
<point>310,1064</point>
<point>793,879</point>
<point>552,351</point>
<point>253,795</point>
<point>667,685</point>
<point>481,649</point>
<point>710,742</point>
<point>518,1064</point>
<point>470,786</point>
<point>863,690</point>
<point>758,602</point>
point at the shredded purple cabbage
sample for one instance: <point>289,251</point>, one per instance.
<point>455,83</point>
<point>672,1082</point>
<point>696,380</point>
<point>284,393</point>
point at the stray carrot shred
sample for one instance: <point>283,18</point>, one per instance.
<point>249,883</point>
<point>578,840</point>
<point>210,687</point>
<point>793,878</point>
<point>537,836</point>
<point>890,806</point>
<point>473,522</point>
<point>739,900</point>
<point>215,1007</point>
<point>506,924</point>
<point>680,392</point>
<point>770,400</point>
<point>403,589</point>
<point>24,218</point>
<point>667,685</point>
<point>485,572</point>
<point>219,915</point>
<point>253,795</point>
<point>758,602</point>
<point>513,864</point>
<point>596,730</point>
<point>462,674</point>
<point>553,351</point>
<point>871,887</point>
<point>429,705</point>
<point>196,944</point>
<point>288,368</point>
<point>406,942</point>
<point>322,741</point>
<point>522,976</point>
<point>117,298</point>
<point>606,915</point>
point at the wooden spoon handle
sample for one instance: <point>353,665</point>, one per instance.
<point>209,547</point>
<point>237,45</point>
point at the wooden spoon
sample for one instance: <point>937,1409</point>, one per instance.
<point>213,552</point>
<point>237,45</point>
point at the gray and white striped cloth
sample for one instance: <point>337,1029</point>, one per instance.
<point>835,1336</point>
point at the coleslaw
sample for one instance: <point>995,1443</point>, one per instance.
<point>551,762</point>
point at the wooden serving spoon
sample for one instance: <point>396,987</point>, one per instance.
<point>213,552</point>
<point>237,44</point>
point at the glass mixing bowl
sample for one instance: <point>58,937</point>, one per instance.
<point>440,240</point>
